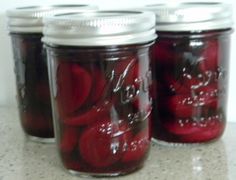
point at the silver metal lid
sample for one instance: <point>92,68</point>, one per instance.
<point>100,28</point>
<point>29,19</point>
<point>192,16</point>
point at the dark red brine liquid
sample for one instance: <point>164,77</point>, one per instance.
<point>102,107</point>
<point>32,85</point>
<point>191,78</point>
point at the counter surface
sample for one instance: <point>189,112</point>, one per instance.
<point>21,159</point>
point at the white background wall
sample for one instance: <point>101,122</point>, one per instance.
<point>7,79</point>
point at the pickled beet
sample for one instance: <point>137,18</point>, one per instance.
<point>208,96</point>
<point>91,115</point>
<point>208,130</point>
<point>99,85</point>
<point>74,86</point>
<point>180,105</point>
<point>137,146</point>
<point>181,127</point>
<point>69,139</point>
<point>108,138</point>
<point>39,125</point>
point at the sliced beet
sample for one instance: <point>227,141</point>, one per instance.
<point>190,82</point>
<point>74,85</point>
<point>213,127</point>
<point>180,106</point>
<point>37,124</point>
<point>208,96</point>
<point>137,147</point>
<point>176,86</point>
<point>102,143</point>
<point>69,139</point>
<point>180,126</point>
<point>99,84</point>
<point>95,113</point>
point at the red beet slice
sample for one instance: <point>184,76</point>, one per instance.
<point>137,147</point>
<point>99,83</point>
<point>102,143</point>
<point>70,163</point>
<point>208,96</point>
<point>93,114</point>
<point>210,57</point>
<point>181,126</point>
<point>69,139</point>
<point>181,106</point>
<point>190,82</point>
<point>209,130</point>
<point>177,87</point>
<point>74,85</point>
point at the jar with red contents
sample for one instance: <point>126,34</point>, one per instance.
<point>25,26</point>
<point>191,71</point>
<point>100,76</point>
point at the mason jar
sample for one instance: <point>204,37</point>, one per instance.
<point>33,96</point>
<point>99,70</point>
<point>191,74</point>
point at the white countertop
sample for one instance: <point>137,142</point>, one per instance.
<point>24,160</point>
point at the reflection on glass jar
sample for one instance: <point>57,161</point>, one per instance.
<point>191,74</point>
<point>101,94</point>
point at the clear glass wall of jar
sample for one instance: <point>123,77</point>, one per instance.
<point>25,26</point>
<point>100,78</point>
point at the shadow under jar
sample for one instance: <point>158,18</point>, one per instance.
<point>100,78</point>
<point>191,72</point>
<point>25,26</point>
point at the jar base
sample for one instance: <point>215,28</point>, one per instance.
<point>86,175</point>
<point>40,139</point>
<point>180,144</point>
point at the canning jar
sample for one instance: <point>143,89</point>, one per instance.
<point>191,71</point>
<point>100,77</point>
<point>25,26</point>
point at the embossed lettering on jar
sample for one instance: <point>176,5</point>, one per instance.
<point>191,71</point>
<point>100,76</point>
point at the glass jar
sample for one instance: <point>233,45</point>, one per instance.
<point>100,77</point>
<point>25,26</point>
<point>191,71</point>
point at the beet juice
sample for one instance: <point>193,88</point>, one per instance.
<point>100,78</point>
<point>191,71</point>
<point>25,26</point>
